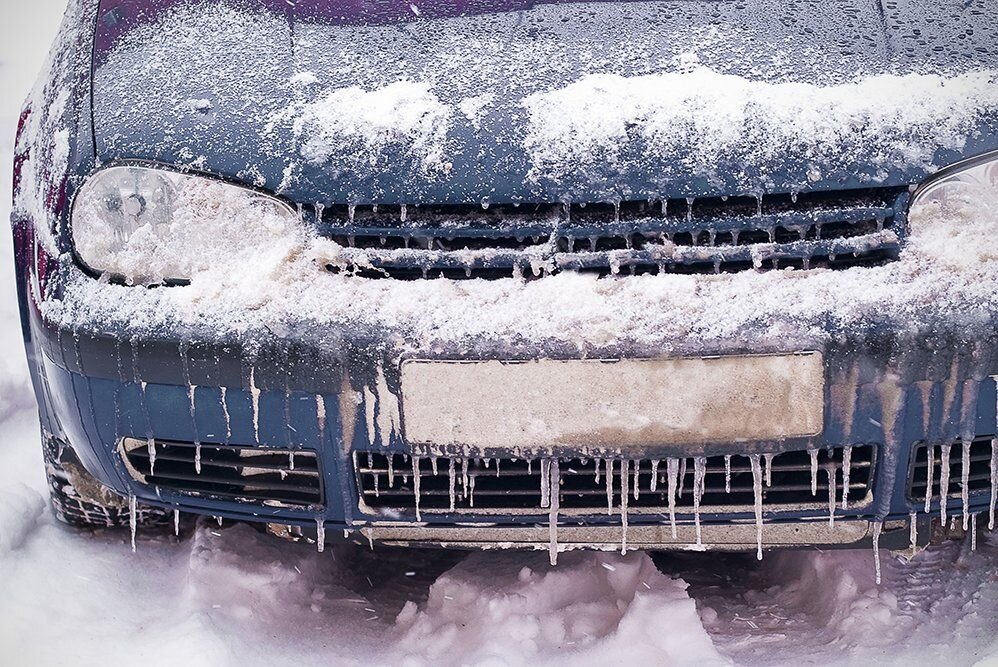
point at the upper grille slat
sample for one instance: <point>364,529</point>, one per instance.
<point>713,235</point>
<point>516,488</point>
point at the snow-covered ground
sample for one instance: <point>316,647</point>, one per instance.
<point>230,595</point>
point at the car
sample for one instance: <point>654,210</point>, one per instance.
<point>511,274</point>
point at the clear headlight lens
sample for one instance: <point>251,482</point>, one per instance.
<point>962,185</point>
<point>148,226</point>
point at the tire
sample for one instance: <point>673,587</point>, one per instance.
<point>79,500</point>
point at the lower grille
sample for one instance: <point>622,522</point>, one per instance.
<point>259,475</point>
<point>982,462</point>
<point>386,482</point>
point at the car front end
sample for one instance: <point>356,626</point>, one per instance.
<point>555,275</point>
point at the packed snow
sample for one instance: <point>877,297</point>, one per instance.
<point>229,595</point>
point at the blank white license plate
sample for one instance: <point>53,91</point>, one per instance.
<point>613,404</point>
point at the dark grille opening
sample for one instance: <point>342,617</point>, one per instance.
<point>833,230</point>
<point>261,475</point>
<point>979,481</point>
<point>386,483</point>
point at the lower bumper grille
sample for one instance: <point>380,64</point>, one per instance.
<point>263,476</point>
<point>385,482</point>
<point>982,461</point>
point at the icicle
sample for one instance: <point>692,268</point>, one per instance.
<point>197,457</point>
<point>973,532</point>
<point>219,519</point>
<point>255,396</point>
<point>637,468</point>
<point>176,523</point>
<point>433,465</point>
<point>132,523</point>
<point>877,527</point>
<point>944,451</point>
<point>597,462</point>
<point>930,464</point>
<point>554,492</point>
<point>767,460</point>
<point>814,471</point>
<point>608,473</point>
<point>415,485</point>
<point>291,460</point>
<point>497,467</point>
<point>672,470</point>
<point>624,476</point>
<point>994,484</point>
<point>757,491</point>
<point>530,466</point>
<point>965,481</point>
<point>225,413</point>
<point>391,470</point>
<point>320,415</point>
<point>545,481</point>
<point>464,478</point>
<point>699,473</point>
<point>913,530</point>
<point>320,534</point>
<point>846,467</point>
<point>471,490</point>
<point>727,473</point>
<point>451,483</point>
<point>151,449</point>
<point>654,475</point>
<point>830,469</point>
<point>682,476</point>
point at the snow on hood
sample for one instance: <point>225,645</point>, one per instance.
<point>590,101</point>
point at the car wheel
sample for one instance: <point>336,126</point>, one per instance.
<point>81,501</point>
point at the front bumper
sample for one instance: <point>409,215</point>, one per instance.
<point>100,386</point>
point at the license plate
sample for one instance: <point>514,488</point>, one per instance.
<point>613,403</point>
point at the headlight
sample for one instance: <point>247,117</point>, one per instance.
<point>964,184</point>
<point>149,226</point>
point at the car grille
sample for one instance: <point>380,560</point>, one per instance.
<point>260,475</point>
<point>979,479</point>
<point>385,482</point>
<point>834,230</point>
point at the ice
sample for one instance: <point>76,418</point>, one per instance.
<point>757,491</point>
<point>944,465</point>
<point>464,478</point>
<point>699,475</point>
<point>672,470</point>
<point>608,474</point>
<point>596,463</point>
<point>767,460</point>
<point>930,464</point>
<point>132,522</point>
<point>225,414</point>
<point>545,483</point>
<point>637,469</point>
<point>255,397</point>
<point>554,493</point>
<point>654,475</point>
<point>151,448</point>
<point>913,530</point>
<point>846,467</point>
<point>830,469</point>
<point>320,416</point>
<point>814,471</point>
<point>994,484</point>
<point>320,534</point>
<point>416,479</point>
<point>391,470</point>
<point>877,527</point>
<point>682,476</point>
<point>965,481</point>
<point>973,532</point>
<point>452,483</point>
<point>197,457</point>
<point>727,473</point>
<point>624,477</point>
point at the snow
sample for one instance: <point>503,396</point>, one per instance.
<point>228,595</point>
<point>703,119</point>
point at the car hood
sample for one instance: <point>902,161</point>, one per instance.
<point>506,101</point>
